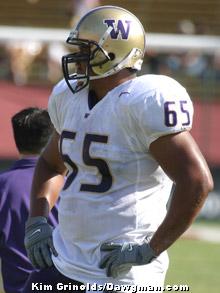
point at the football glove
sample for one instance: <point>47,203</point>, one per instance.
<point>121,257</point>
<point>38,242</point>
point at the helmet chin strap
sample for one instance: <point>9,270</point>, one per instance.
<point>120,66</point>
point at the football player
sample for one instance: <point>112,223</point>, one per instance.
<point>123,141</point>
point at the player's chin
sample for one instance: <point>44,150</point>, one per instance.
<point>79,83</point>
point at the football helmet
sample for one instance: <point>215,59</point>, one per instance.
<point>108,38</point>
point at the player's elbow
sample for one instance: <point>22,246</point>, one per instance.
<point>202,184</point>
<point>196,185</point>
<point>210,184</point>
<point>206,183</point>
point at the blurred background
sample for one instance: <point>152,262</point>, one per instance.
<point>182,42</point>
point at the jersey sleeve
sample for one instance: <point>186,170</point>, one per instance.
<point>161,112</point>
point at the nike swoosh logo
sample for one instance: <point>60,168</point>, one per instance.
<point>36,231</point>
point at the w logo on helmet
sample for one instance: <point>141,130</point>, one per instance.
<point>119,30</point>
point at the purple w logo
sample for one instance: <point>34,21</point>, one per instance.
<point>120,28</point>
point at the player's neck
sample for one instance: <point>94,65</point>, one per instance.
<point>102,86</point>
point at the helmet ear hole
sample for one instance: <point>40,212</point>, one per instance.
<point>111,56</point>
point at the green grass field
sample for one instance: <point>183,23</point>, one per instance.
<point>196,264</point>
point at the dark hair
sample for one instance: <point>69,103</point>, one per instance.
<point>32,128</point>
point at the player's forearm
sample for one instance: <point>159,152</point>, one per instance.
<point>186,203</point>
<point>46,185</point>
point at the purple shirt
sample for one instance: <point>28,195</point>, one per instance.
<point>15,186</point>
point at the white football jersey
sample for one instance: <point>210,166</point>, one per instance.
<point>115,190</point>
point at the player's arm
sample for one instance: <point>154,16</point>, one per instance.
<point>182,161</point>
<point>48,179</point>
<point>47,183</point>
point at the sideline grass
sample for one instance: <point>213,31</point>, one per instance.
<point>196,264</point>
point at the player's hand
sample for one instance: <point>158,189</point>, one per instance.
<point>38,242</point>
<point>121,258</point>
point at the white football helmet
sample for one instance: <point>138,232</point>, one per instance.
<point>108,38</point>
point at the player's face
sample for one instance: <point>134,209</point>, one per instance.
<point>76,65</point>
<point>81,63</point>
